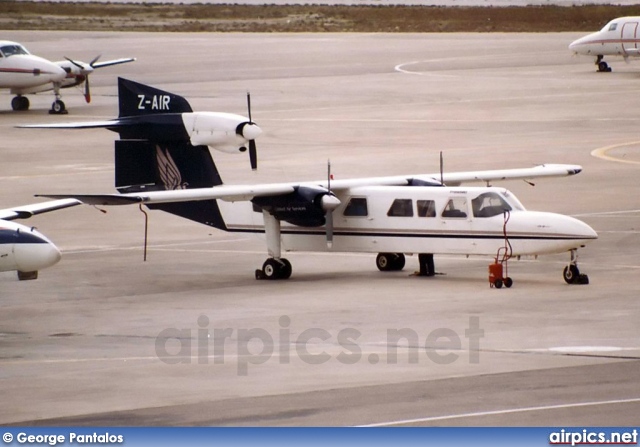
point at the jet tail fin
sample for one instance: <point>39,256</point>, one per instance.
<point>137,99</point>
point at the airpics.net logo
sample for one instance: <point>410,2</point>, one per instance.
<point>316,346</point>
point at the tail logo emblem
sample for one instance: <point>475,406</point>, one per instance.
<point>157,102</point>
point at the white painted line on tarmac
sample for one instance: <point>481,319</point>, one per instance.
<point>499,412</point>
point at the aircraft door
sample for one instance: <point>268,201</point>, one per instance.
<point>629,33</point>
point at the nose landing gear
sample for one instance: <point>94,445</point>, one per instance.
<point>603,67</point>
<point>571,273</point>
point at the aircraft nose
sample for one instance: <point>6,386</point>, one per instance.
<point>33,252</point>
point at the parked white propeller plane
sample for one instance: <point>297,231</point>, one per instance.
<point>24,73</point>
<point>163,161</point>
<point>619,37</point>
<point>23,248</point>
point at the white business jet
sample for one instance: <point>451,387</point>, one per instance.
<point>23,73</point>
<point>619,37</point>
<point>24,249</point>
<point>163,160</point>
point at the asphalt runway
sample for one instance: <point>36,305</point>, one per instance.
<point>191,338</point>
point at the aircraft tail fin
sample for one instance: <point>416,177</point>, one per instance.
<point>137,99</point>
<point>142,165</point>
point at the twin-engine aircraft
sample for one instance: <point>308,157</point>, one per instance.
<point>163,161</point>
<point>23,73</point>
<point>24,249</point>
<point>619,37</point>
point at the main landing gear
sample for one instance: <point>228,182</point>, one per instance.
<point>571,273</point>
<point>20,103</point>
<point>390,262</point>
<point>603,67</point>
<point>275,269</point>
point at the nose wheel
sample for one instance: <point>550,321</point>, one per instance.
<point>603,67</point>
<point>571,272</point>
<point>58,108</point>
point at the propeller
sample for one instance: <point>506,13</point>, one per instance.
<point>85,71</point>
<point>249,130</point>
<point>329,203</point>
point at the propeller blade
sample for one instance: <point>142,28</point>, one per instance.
<point>329,226</point>
<point>81,67</point>
<point>249,106</point>
<point>253,154</point>
<point>441,169</point>
<point>87,90</point>
<point>95,59</point>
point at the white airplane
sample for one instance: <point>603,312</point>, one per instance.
<point>167,166</point>
<point>619,37</point>
<point>23,248</point>
<point>24,73</point>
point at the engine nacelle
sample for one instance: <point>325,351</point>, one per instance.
<point>305,207</point>
<point>225,132</point>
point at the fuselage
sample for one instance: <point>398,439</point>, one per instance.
<point>439,220</point>
<point>25,249</point>
<point>619,37</point>
<point>23,72</point>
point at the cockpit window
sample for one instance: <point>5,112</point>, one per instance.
<point>610,27</point>
<point>456,208</point>
<point>489,204</point>
<point>357,207</point>
<point>10,50</point>
<point>401,208</point>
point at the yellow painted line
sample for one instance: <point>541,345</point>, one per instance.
<point>602,153</point>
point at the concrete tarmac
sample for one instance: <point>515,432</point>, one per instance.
<point>189,337</point>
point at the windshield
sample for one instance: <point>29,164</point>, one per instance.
<point>10,50</point>
<point>489,204</point>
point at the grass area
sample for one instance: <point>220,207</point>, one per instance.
<point>16,15</point>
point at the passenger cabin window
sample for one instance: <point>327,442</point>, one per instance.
<point>456,208</point>
<point>357,207</point>
<point>613,27</point>
<point>401,208</point>
<point>426,208</point>
<point>489,204</point>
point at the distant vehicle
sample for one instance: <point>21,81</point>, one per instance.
<point>619,37</point>
<point>162,161</point>
<point>23,73</point>
<point>24,249</point>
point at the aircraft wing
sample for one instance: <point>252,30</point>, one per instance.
<point>234,193</point>
<point>457,178</point>
<point>26,211</point>
<point>230,193</point>
<point>113,62</point>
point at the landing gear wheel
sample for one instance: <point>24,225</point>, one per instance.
<point>20,103</point>
<point>275,269</point>
<point>389,262</point>
<point>571,274</point>
<point>603,67</point>
<point>384,261</point>
<point>58,108</point>
<point>508,282</point>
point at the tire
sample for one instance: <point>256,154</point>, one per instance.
<point>508,282</point>
<point>16,103</point>
<point>285,270</point>
<point>571,274</point>
<point>398,262</point>
<point>58,106</point>
<point>603,67</point>
<point>498,284</point>
<point>271,269</point>
<point>384,262</point>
